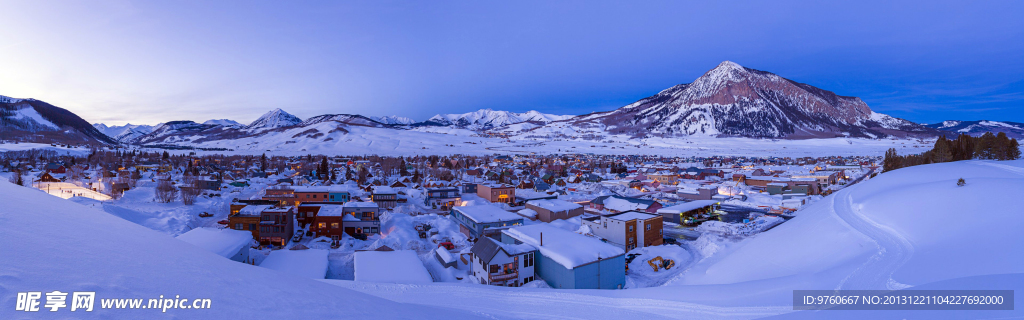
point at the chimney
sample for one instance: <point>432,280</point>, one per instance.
<point>541,239</point>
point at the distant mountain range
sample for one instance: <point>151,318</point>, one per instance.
<point>977,128</point>
<point>727,101</point>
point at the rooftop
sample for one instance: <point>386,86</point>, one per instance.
<point>567,248</point>
<point>487,213</point>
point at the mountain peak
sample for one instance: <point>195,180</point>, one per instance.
<point>729,65</point>
<point>276,118</point>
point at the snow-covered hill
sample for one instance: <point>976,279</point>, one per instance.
<point>399,120</point>
<point>977,128</point>
<point>731,100</point>
<point>30,120</point>
<point>56,244</point>
<point>486,119</point>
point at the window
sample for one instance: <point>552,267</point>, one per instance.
<point>252,226</point>
<point>322,225</point>
<point>528,260</point>
<point>648,227</point>
<point>334,225</point>
<point>495,268</point>
<point>238,226</point>
<point>630,239</point>
<point>630,228</point>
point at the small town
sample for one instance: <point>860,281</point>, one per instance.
<point>631,219</point>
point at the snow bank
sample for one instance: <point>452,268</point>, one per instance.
<point>223,242</point>
<point>311,263</point>
<point>755,226</point>
<point>402,266</point>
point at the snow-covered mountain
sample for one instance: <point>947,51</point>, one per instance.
<point>486,119</point>
<point>224,122</point>
<point>980,127</point>
<point>274,119</point>
<point>731,100</point>
<point>399,120</point>
<point>31,120</point>
<point>125,133</point>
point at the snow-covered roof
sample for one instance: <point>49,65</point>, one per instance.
<point>223,242</point>
<point>692,205</point>
<point>487,213</point>
<point>253,210</point>
<point>631,215</point>
<point>620,204</point>
<point>310,263</point>
<point>529,213</point>
<point>383,190</point>
<point>565,247</point>
<point>360,204</point>
<point>330,210</point>
<point>402,266</point>
<point>554,205</point>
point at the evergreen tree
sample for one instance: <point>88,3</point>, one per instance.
<point>263,162</point>
<point>1001,147</point>
<point>403,168</point>
<point>892,160</point>
<point>941,151</point>
<point>984,146</point>
<point>1013,150</point>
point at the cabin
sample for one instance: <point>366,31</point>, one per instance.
<point>361,218</point>
<point>443,198</point>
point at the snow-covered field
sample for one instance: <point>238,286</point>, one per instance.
<point>327,138</point>
<point>913,227</point>
<point>76,151</point>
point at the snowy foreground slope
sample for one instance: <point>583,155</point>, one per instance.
<point>54,244</point>
<point>910,228</point>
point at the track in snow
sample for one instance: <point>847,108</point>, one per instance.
<point>894,249</point>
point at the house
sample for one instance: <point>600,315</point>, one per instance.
<point>328,221</point>
<point>501,264</point>
<point>614,203</point>
<point>54,167</point>
<point>484,220</point>
<point>550,210</point>
<point>469,188</point>
<point>628,230</point>
<point>681,212</point>
<point>496,192</point>
<point>361,218</point>
<point>284,195</point>
<point>277,225</point>
<point>385,197</point>
<point>228,243</point>
<point>309,263</point>
<point>400,266</point>
<point>443,198</point>
<point>248,218</point>
<point>702,193</point>
<point>568,260</point>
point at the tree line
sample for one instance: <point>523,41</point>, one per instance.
<point>988,146</point>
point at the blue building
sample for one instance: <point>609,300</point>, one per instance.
<point>569,260</point>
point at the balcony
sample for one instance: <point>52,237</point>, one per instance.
<point>503,276</point>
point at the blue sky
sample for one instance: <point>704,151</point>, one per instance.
<point>153,61</point>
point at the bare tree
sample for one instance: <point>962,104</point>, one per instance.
<point>190,190</point>
<point>165,191</point>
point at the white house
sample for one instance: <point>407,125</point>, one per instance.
<point>507,265</point>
